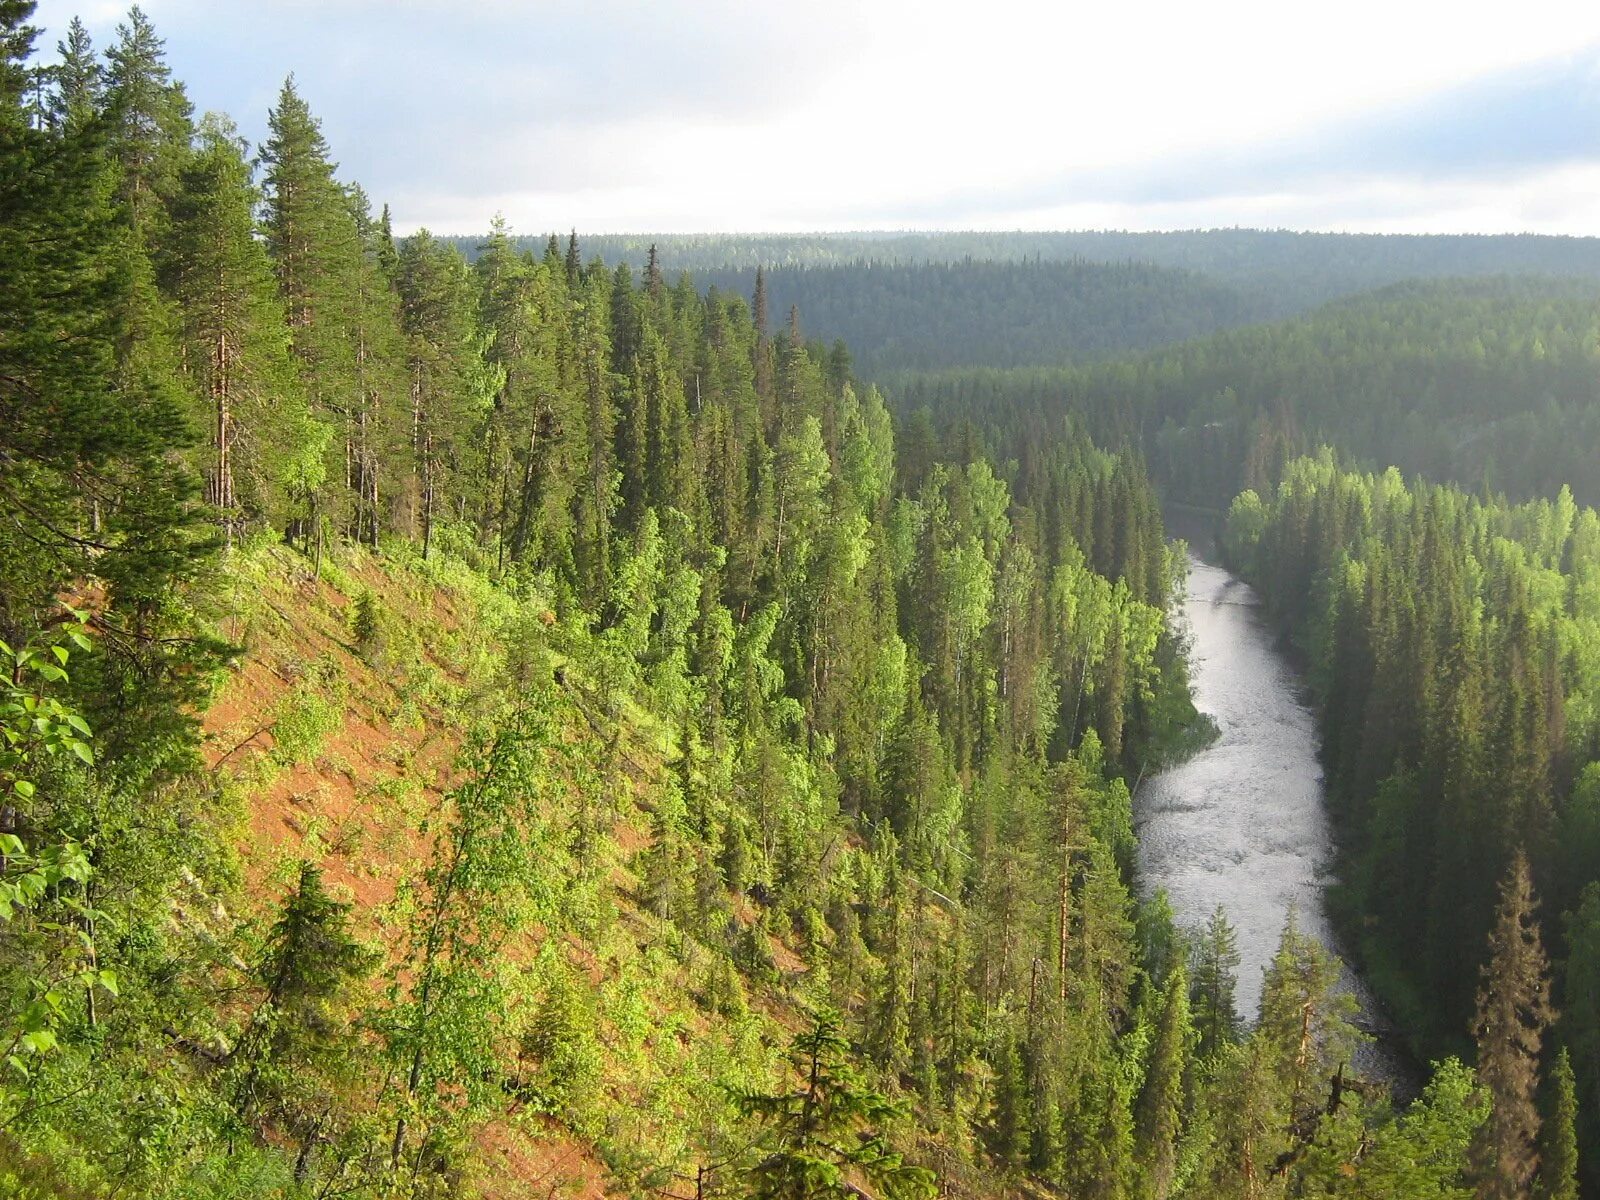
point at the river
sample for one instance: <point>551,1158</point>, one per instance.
<point>1242,823</point>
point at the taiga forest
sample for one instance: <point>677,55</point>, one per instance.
<point>507,713</point>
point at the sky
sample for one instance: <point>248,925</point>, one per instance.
<point>663,116</point>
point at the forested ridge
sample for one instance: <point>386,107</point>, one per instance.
<point>496,727</point>
<point>1488,383</point>
<point>1452,648</point>
<point>1303,268</point>
<point>1446,630</point>
<point>983,313</point>
<point>914,302</point>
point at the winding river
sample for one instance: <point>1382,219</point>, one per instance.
<point>1242,824</point>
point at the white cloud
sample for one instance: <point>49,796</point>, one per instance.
<point>737,114</point>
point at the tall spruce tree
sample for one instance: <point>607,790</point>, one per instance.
<point>450,384</point>
<point>79,95</point>
<point>1216,959</point>
<point>1558,1150</point>
<point>1162,1102</point>
<point>376,428</point>
<point>316,251</point>
<point>1513,1013</point>
<point>150,124</point>
<point>89,435</point>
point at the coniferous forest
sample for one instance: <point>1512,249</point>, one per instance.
<point>483,719</point>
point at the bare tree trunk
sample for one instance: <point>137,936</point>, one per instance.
<point>427,492</point>
<point>222,403</point>
<point>1065,914</point>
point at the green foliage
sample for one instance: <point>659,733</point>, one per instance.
<point>42,888</point>
<point>299,1046</point>
<point>1453,663</point>
<point>1482,382</point>
<point>1163,1103</point>
<point>827,1128</point>
<point>1558,1155</point>
<point>303,720</point>
<point>1417,1153</point>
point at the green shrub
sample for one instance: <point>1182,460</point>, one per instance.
<point>305,717</point>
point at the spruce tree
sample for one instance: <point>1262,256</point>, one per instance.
<point>90,434</point>
<point>1303,1037</point>
<point>1216,958</point>
<point>827,1129</point>
<point>150,122</point>
<point>889,1015</point>
<point>312,236</point>
<point>598,499</point>
<point>377,429</point>
<point>574,261</point>
<point>1161,1107</point>
<point>79,80</point>
<point>1558,1153</point>
<point>450,383</point>
<point>311,963</point>
<point>1513,1013</point>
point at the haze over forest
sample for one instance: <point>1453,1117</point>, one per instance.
<point>537,709</point>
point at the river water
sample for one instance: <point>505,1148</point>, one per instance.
<point>1242,823</point>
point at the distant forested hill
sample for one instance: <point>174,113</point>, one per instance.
<point>1489,383</point>
<point>973,313</point>
<point>1344,262</point>
<point>934,301</point>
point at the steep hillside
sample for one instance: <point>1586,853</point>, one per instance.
<point>339,737</point>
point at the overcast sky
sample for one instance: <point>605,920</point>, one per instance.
<point>692,115</point>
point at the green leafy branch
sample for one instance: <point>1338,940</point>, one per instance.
<point>36,726</point>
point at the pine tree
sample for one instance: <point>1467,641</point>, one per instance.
<point>236,340</point>
<point>1513,1013</point>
